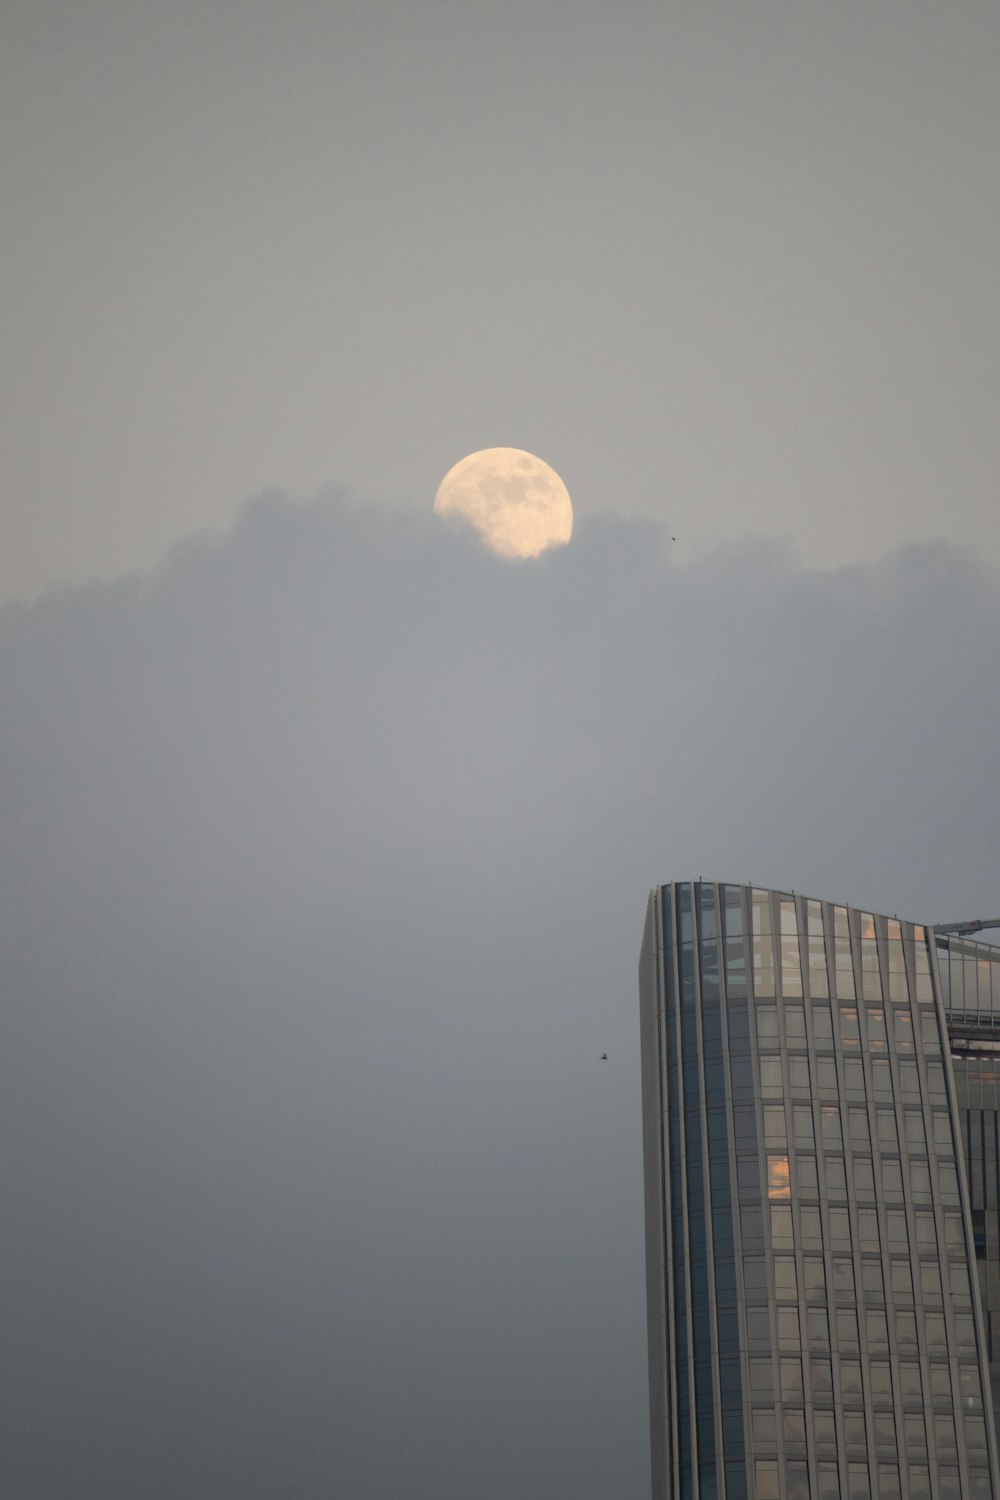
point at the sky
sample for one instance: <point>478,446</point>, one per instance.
<point>327,833</point>
<point>731,266</point>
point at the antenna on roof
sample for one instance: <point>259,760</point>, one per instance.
<point>964,929</point>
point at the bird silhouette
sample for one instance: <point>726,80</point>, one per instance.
<point>604,1057</point>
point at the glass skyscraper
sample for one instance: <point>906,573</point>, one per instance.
<point>816,1325</point>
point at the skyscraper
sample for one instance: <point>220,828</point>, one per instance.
<point>816,1329</point>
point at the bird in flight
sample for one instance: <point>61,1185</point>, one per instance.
<point>604,1057</point>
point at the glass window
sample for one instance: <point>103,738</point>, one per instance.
<point>764,1425</point>
<point>965,1334</point>
<point>888,1482</point>
<point>766,1471</point>
<point>926,1235</point>
<point>736,1481</point>
<point>885,1125</point>
<point>809,1227</point>
<point>836,1177</point>
<point>979,1485</point>
<point>761,1379</point>
<point>881,1078</point>
<point>970,1389</point>
<point>919,1177</point>
<point>864,1180</point>
<point>774,1125</point>
<point>778,1183</point>
<point>788,1330</point>
<point>934,1332</point>
<point>850,1035</point>
<point>936,1088</point>
<point>868,1238</point>
<point>920,1482</point>
<point>914,1435</point>
<point>944,1432</point>
<point>880,1381</point>
<point>758,1325</point>
<point>948,1178</point>
<point>818,982</point>
<point>858,1122</point>
<point>871,979</point>
<point>754,1279</point>
<point>885,1432</point>
<point>791,973</point>
<point>939,1380</point>
<point>829,1482</point>
<point>767,1026</point>
<point>830,1127</point>
<point>752,1226</point>
<point>975,1433</point>
<point>814,1278</point>
<point>891,1179</point>
<point>771,1086</point>
<point>949,1487</point>
<point>795,1026</point>
<point>821,1379</point>
<point>785,1288</point>
<point>805,1173</point>
<point>902,1023</point>
<point>895,1222</point>
<point>850,1377</point>
<point>958,1282</point>
<point>798,1074</point>
<point>796,1475</point>
<point>876,1330</point>
<point>909,1079</point>
<point>844,972</point>
<point>802,1126</point>
<point>847,1330</point>
<point>822,1028</point>
<point>825,1429</point>
<point>791,1379</point>
<point>906,1329</point>
<point>871,1281</point>
<point>930,1281</point>
<point>954,1233</point>
<point>910,1389</point>
<point>902,1282</point>
<point>916,1138</point>
<point>840,1229</point>
<point>943,1141</point>
<point>875,1017</point>
<point>826,1078</point>
<point>781,1227</point>
<point>817,1330</point>
<point>843,1278</point>
<point>930,1034</point>
<point>854,1078</point>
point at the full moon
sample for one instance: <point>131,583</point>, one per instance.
<point>519,506</point>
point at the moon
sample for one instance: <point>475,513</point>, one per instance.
<point>516,502</point>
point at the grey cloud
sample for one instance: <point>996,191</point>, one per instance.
<point>325,855</point>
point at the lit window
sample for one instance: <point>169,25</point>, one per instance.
<point>778,1180</point>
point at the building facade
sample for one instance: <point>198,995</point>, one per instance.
<point>969,976</point>
<point>816,1326</point>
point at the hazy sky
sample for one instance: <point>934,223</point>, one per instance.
<point>326,853</point>
<point>729,265</point>
<point>327,838</point>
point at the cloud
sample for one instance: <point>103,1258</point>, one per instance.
<point>326,850</point>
